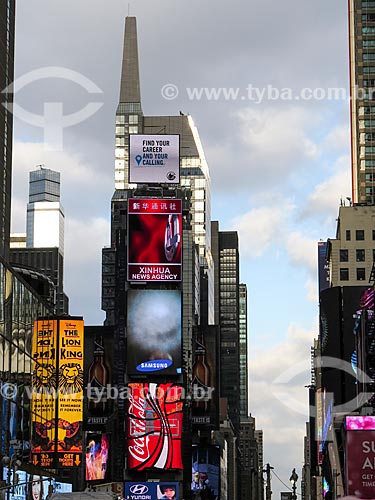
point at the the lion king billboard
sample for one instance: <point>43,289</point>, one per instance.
<point>57,392</point>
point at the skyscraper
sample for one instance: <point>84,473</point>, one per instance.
<point>244,405</point>
<point>44,249</point>
<point>362,91</point>
<point>7,27</point>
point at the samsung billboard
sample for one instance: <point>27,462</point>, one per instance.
<point>154,159</point>
<point>154,332</point>
<point>154,239</point>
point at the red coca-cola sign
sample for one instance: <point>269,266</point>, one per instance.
<point>154,426</point>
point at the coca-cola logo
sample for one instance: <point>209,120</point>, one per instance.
<point>139,449</point>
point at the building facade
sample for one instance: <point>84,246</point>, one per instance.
<point>43,246</point>
<point>7,29</point>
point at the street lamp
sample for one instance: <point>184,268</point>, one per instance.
<point>293,479</point>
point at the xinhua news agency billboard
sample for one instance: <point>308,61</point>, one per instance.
<point>154,426</point>
<point>57,393</point>
<point>154,239</point>
<point>154,332</point>
<point>154,159</point>
<point>151,491</point>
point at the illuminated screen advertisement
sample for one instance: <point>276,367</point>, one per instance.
<point>206,471</point>
<point>155,239</point>
<point>154,426</point>
<point>57,375</point>
<point>97,452</point>
<point>204,405</point>
<point>360,460</point>
<point>154,159</point>
<point>32,486</point>
<point>44,393</point>
<point>151,491</point>
<point>359,423</point>
<point>154,332</point>
<point>323,266</point>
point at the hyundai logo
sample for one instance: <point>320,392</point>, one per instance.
<point>139,489</point>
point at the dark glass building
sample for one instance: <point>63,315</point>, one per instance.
<point>7,23</point>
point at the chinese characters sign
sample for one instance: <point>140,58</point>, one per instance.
<point>155,240</point>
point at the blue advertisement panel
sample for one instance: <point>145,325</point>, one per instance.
<point>151,491</point>
<point>323,266</point>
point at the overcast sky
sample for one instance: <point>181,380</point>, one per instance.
<point>279,166</point>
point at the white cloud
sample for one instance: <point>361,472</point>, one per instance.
<point>278,397</point>
<point>84,241</point>
<point>302,250</point>
<point>325,198</point>
<point>338,138</point>
<point>261,227</point>
<point>279,135</point>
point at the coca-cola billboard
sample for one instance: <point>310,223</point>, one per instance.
<point>154,426</point>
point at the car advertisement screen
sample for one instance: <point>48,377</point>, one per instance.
<point>154,159</point>
<point>154,332</point>
<point>151,491</point>
<point>155,240</point>
<point>154,426</point>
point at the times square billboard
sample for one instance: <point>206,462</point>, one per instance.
<point>154,426</point>
<point>57,392</point>
<point>151,491</point>
<point>154,239</point>
<point>154,332</point>
<point>154,159</point>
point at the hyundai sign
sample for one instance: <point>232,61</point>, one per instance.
<point>154,159</point>
<point>151,491</point>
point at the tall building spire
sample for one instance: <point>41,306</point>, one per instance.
<point>130,88</point>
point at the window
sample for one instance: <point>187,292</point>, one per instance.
<point>361,273</point>
<point>348,235</point>
<point>360,234</point>
<point>344,256</point>
<point>373,254</point>
<point>344,274</point>
<point>360,255</point>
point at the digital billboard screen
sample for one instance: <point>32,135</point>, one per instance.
<point>154,332</point>
<point>154,239</point>
<point>360,460</point>
<point>204,403</point>
<point>98,377</point>
<point>154,159</point>
<point>97,453</point>
<point>206,471</point>
<point>151,491</point>
<point>57,393</point>
<point>323,267</point>
<point>154,426</point>
<point>359,423</point>
<point>32,486</point>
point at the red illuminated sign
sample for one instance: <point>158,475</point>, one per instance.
<point>155,239</point>
<point>154,427</point>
